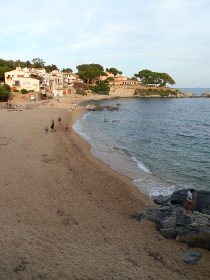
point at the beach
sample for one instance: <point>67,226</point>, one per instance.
<point>66,215</point>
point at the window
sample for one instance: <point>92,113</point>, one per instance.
<point>16,83</point>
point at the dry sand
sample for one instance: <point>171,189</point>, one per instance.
<point>66,215</point>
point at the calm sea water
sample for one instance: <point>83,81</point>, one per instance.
<point>162,144</point>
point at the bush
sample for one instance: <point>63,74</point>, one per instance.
<point>81,92</point>
<point>4,92</point>
<point>100,88</point>
<point>23,91</point>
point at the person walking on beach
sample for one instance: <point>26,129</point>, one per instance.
<point>190,201</point>
<point>46,129</point>
<point>52,125</point>
<point>59,120</point>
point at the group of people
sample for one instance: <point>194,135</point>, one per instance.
<point>52,125</point>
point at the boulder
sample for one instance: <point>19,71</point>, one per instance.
<point>191,257</point>
<point>173,222</point>
<point>179,197</point>
<point>162,200</point>
<point>203,202</point>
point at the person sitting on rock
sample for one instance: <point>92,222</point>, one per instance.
<point>190,201</point>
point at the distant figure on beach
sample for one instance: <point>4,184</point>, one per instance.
<point>59,120</point>
<point>52,125</point>
<point>66,127</point>
<point>46,129</point>
<point>190,201</point>
<point>105,120</point>
<point>75,105</point>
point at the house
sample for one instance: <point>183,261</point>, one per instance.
<point>109,75</point>
<point>21,79</point>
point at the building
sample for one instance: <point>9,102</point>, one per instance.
<point>21,79</point>
<point>109,75</point>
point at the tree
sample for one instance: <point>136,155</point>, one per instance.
<point>114,71</point>
<point>4,92</point>
<point>166,79</point>
<point>100,88</point>
<point>50,68</point>
<point>90,72</point>
<point>148,77</point>
<point>38,63</point>
<point>68,70</point>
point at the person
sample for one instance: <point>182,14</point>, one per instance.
<point>190,201</point>
<point>46,129</point>
<point>52,125</point>
<point>59,120</point>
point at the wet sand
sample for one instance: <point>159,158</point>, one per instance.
<point>66,215</point>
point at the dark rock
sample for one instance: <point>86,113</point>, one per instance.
<point>195,235</point>
<point>162,200</point>
<point>182,219</point>
<point>179,197</point>
<point>173,222</point>
<point>203,202</point>
<point>191,257</point>
<point>201,198</point>
<point>169,232</point>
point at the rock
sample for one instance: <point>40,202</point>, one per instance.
<point>182,219</point>
<point>162,200</point>
<point>195,235</point>
<point>205,94</point>
<point>179,197</point>
<point>96,107</point>
<point>160,237</point>
<point>173,222</point>
<point>191,257</point>
<point>203,202</point>
<point>90,107</point>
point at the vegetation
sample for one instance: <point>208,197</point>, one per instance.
<point>50,68</point>
<point>89,73</point>
<point>23,91</point>
<point>8,65</point>
<point>4,92</point>
<point>114,71</point>
<point>80,88</point>
<point>68,70</point>
<point>148,77</point>
<point>155,91</point>
<point>100,88</point>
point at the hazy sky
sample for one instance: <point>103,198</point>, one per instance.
<point>170,36</point>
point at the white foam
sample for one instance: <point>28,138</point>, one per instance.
<point>85,115</point>
<point>141,165</point>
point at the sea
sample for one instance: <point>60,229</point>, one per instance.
<point>162,144</point>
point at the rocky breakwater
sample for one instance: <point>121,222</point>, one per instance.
<point>97,107</point>
<point>172,220</point>
<point>205,94</point>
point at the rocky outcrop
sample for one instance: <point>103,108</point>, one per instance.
<point>173,222</point>
<point>205,94</point>
<point>96,107</point>
<point>202,200</point>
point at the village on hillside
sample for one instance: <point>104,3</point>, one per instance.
<point>54,83</point>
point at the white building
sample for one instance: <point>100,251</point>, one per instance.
<point>20,79</point>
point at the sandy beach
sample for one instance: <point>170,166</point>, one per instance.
<point>66,215</point>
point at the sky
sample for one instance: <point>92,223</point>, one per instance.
<point>171,36</point>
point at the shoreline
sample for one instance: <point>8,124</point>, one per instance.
<point>86,149</point>
<point>67,215</point>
